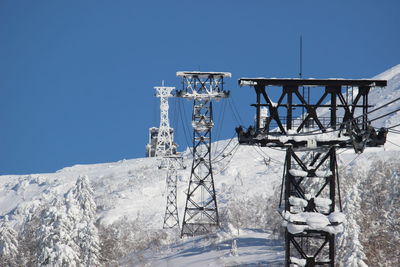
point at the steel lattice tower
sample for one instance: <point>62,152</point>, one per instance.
<point>310,180</point>
<point>201,212</point>
<point>171,218</point>
<point>164,139</point>
<point>165,153</point>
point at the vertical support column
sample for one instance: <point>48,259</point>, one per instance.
<point>333,91</point>
<point>288,177</point>
<point>258,89</point>
<point>165,151</point>
<point>201,211</point>
<point>289,91</point>
<point>310,192</point>
<point>171,218</point>
<point>332,178</point>
<point>364,90</point>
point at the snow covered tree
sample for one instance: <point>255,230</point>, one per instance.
<point>379,218</point>
<point>372,207</point>
<point>8,244</point>
<point>56,246</point>
<point>82,209</point>
<point>351,253</point>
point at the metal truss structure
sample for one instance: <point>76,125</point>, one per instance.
<point>201,212</point>
<point>311,182</point>
<point>165,152</point>
<point>171,218</point>
<point>165,145</point>
<point>310,187</point>
<point>350,130</point>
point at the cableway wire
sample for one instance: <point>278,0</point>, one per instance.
<point>352,160</point>
<point>387,114</point>
<point>223,150</point>
<point>184,126</point>
<point>228,154</point>
<point>338,124</point>
<point>393,127</point>
<point>384,105</point>
<point>392,143</point>
<point>266,155</point>
<point>219,126</point>
<point>263,155</point>
<point>235,112</point>
<point>230,160</point>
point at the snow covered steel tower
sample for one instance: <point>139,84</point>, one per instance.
<point>201,212</point>
<point>165,151</point>
<point>165,145</point>
<point>311,203</point>
<point>171,218</point>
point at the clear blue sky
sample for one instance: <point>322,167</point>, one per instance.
<point>77,77</point>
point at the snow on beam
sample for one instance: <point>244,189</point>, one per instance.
<point>313,82</point>
<point>300,222</point>
<point>201,74</point>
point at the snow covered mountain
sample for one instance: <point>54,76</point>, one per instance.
<point>130,198</point>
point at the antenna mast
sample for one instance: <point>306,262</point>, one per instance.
<point>301,57</point>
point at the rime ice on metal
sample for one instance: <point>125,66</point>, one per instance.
<point>166,154</point>
<point>165,145</point>
<point>310,180</point>
<point>201,212</point>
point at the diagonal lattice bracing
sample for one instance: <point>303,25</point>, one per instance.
<point>171,218</point>
<point>337,119</point>
<point>201,211</point>
<point>165,152</point>
<point>344,118</point>
<point>310,199</point>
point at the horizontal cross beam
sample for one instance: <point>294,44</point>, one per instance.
<point>311,82</point>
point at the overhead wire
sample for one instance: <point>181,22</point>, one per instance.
<point>223,150</point>
<point>266,155</point>
<point>384,105</point>
<point>230,160</point>
<point>382,116</point>
<point>235,112</point>
<point>393,127</point>
<point>228,154</point>
<point>219,126</point>
<point>261,153</point>
<point>184,127</point>
<point>314,132</point>
<point>352,160</point>
<point>175,119</point>
<point>393,143</point>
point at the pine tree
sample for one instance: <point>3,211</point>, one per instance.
<point>82,208</point>
<point>350,249</point>
<point>8,244</point>
<point>352,254</point>
<point>56,245</point>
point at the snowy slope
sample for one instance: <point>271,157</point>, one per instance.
<point>129,187</point>
<point>254,248</point>
<point>135,189</point>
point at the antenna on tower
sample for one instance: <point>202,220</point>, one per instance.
<point>301,57</point>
